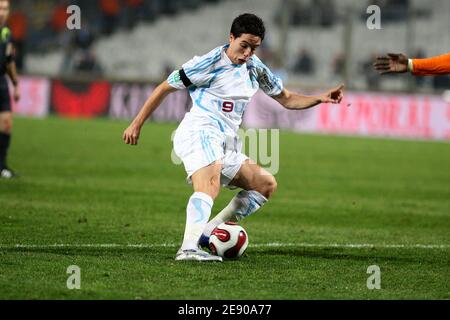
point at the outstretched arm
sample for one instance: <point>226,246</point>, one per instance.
<point>431,66</point>
<point>131,134</point>
<point>295,101</point>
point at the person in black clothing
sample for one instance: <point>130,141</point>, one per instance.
<point>304,63</point>
<point>7,66</point>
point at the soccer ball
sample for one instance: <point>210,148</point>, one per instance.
<point>228,240</point>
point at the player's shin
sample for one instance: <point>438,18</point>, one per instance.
<point>197,214</point>
<point>240,207</point>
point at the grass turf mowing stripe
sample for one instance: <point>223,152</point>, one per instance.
<point>256,245</point>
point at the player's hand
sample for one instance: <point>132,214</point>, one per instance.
<point>334,95</point>
<point>131,134</point>
<point>16,94</point>
<point>392,63</point>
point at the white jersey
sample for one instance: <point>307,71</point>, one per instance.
<point>221,90</point>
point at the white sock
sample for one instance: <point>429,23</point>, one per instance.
<point>197,214</point>
<point>240,207</point>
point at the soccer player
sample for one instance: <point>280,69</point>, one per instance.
<point>221,83</point>
<point>7,66</point>
<point>399,63</point>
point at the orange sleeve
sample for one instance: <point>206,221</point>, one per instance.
<point>432,66</point>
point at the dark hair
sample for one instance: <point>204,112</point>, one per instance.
<point>248,23</point>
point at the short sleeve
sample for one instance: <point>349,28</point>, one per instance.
<point>271,84</point>
<point>6,35</point>
<point>6,38</point>
<point>174,80</point>
<point>195,72</point>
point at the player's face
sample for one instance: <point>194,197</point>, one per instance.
<point>243,47</point>
<point>4,11</point>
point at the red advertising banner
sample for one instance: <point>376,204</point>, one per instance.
<point>369,114</point>
<point>80,99</point>
<point>34,97</point>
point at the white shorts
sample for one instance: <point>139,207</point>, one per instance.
<point>199,146</point>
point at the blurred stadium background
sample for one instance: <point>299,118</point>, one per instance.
<point>124,44</point>
<point>309,42</point>
<point>343,203</point>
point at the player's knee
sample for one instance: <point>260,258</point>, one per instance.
<point>6,125</point>
<point>211,187</point>
<point>271,186</point>
<point>268,186</point>
<point>9,126</point>
<point>214,187</point>
<point>211,190</point>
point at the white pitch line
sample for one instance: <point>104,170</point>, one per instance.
<point>353,245</point>
<point>255,245</point>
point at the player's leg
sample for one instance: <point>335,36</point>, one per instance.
<point>201,152</point>
<point>257,184</point>
<point>206,183</point>
<point>207,180</point>
<point>5,139</point>
<point>252,177</point>
<point>206,188</point>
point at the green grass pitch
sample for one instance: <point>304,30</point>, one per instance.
<point>85,190</point>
